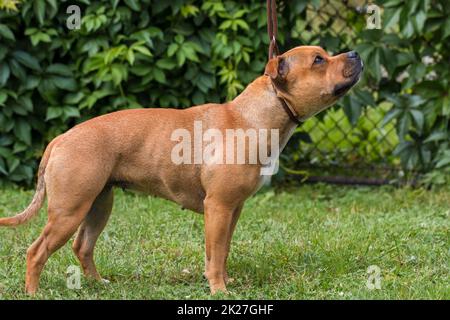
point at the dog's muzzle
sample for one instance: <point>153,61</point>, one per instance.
<point>352,72</point>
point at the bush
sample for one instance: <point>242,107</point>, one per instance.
<point>408,63</point>
<point>132,53</point>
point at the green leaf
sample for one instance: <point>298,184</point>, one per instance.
<point>352,109</point>
<point>143,50</point>
<point>133,4</point>
<point>446,106</point>
<point>241,23</point>
<point>179,39</point>
<point>53,113</point>
<point>130,56</point>
<point>418,118</point>
<point>189,53</point>
<point>19,147</point>
<point>415,101</point>
<point>31,82</point>
<point>446,31</point>
<point>93,97</point>
<point>3,167</point>
<point>59,69</point>
<point>160,6</point>
<point>408,29</point>
<point>4,74</point>
<point>403,125</point>
<point>374,61</point>
<point>22,130</point>
<point>27,60</point>
<point>391,17</point>
<point>226,25</point>
<point>3,98</point>
<point>18,109</point>
<point>405,58</point>
<point>198,98</point>
<point>39,10</point>
<point>39,37</point>
<point>437,136</point>
<point>5,152</point>
<point>172,49</point>
<point>365,97</point>
<point>71,112</point>
<point>365,49</point>
<point>74,98</point>
<point>444,161</point>
<point>26,102</point>
<point>167,64</point>
<point>17,70</point>
<point>117,74</point>
<point>419,20</point>
<point>141,70</point>
<point>13,163</point>
<point>6,32</point>
<point>3,51</point>
<point>159,75</point>
<point>64,83</point>
<point>181,58</point>
<point>392,114</point>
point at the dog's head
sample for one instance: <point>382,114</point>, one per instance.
<point>310,80</point>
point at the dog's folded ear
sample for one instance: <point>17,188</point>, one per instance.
<point>277,68</point>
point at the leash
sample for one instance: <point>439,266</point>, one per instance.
<point>272,29</point>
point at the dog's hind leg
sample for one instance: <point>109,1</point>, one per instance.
<point>90,229</point>
<point>61,225</point>
<point>71,192</point>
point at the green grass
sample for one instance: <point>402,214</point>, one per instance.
<point>309,242</point>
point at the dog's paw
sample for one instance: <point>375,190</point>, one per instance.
<point>219,292</point>
<point>218,289</point>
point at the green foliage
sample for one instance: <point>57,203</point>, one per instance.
<point>408,66</point>
<point>131,54</point>
<point>9,4</point>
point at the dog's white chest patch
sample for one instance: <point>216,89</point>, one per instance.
<point>264,180</point>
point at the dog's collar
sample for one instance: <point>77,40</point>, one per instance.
<point>287,107</point>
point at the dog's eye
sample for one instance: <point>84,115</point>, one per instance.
<point>318,60</point>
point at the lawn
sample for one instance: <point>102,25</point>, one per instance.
<point>309,242</point>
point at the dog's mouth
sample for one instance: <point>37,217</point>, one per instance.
<point>342,88</point>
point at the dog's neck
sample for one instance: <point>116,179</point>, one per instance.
<point>259,105</point>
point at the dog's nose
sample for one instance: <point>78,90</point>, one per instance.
<point>353,55</point>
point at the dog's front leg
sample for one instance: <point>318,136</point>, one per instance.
<point>234,220</point>
<point>218,221</point>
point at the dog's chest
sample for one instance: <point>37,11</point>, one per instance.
<point>267,172</point>
<point>264,180</point>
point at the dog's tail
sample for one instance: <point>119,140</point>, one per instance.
<point>38,199</point>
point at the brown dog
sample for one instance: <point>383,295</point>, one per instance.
<point>133,148</point>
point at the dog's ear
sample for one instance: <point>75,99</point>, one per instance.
<point>277,68</point>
